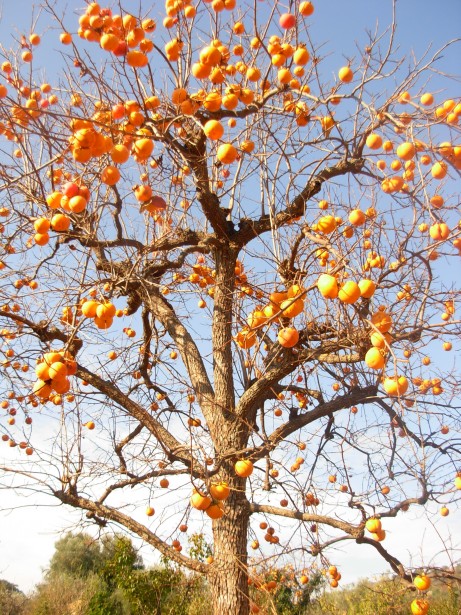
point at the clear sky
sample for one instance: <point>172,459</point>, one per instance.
<point>29,530</point>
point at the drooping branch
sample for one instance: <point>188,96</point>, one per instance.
<point>394,563</point>
<point>106,512</point>
<point>46,332</point>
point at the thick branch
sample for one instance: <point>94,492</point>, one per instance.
<point>140,530</point>
<point>352,530</point>
<point>173,449</point>
<point>250,229</point>
<point>394,563</point>
<point>366,395</point>
<point>46,332</point>
<point>190,353</point>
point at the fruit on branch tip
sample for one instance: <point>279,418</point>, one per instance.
<point>328,286</point>
<point>287,21</point>
<point>419,607</point>
<point>345,74</point>
<point>395,386</point>
<point>422,582</point>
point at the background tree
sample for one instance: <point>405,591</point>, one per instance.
<point>76,555</point>
<point>224,274</point>
<point>12,599</point>
<point>107,576</point>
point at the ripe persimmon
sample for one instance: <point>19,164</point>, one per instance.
<point>60,222</point>
<point>349,292</point>
<point>287,21</point>
<point>215,511</point>
<point>345,74</point>
<point>288,337</point>
<point>220,491</point>
<point>395,386</point>
<point>306,9</point>
<point>213,129</point>
<point>226,153</point>
<point>374,141</point>
<point>328,286</point>
<point>243,468</point>
<point>374,358</point>
<point>199,501</point>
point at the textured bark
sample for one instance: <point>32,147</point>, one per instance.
<point>228,578</point>
<point>222,332</point>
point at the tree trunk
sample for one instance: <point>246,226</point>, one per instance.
<point>229,577</point>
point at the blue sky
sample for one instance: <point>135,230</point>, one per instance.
<point>28,532</point>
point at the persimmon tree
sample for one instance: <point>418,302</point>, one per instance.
<point>228,276</point>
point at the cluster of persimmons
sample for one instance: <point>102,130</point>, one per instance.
<point>225,82</point>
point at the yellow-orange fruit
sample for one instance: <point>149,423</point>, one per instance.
<point>227,153</point>
<point>291,307</point>
<point>199,501</point>
<point>367,288</point>
<point>349,292</point>
<point>215,511</point>
<point>326,225</point>
<point>419,606</point>
<point>374,358</point>
<point>380,340</point>
<point>395,385</point>
<point>345,74</point>
<point>243,468</point>
<point>213,129</point>
<point>374,141</point>
<point>382,321</point>
<point>60,223</point>
<point>357,217</point>
<point>220,491</point>
<point>373,525</point>
<point>422,582</point>
<point>328,286</point>
<point>288,337</point>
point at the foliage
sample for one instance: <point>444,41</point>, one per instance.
<point>116,584</point>
<point>280,592</point>
<point>12,600</point>
<point>199,549</point>
<point>63,593</point>
<point>385,596</point>
<point>76,555</point>
<point>227,285</point>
